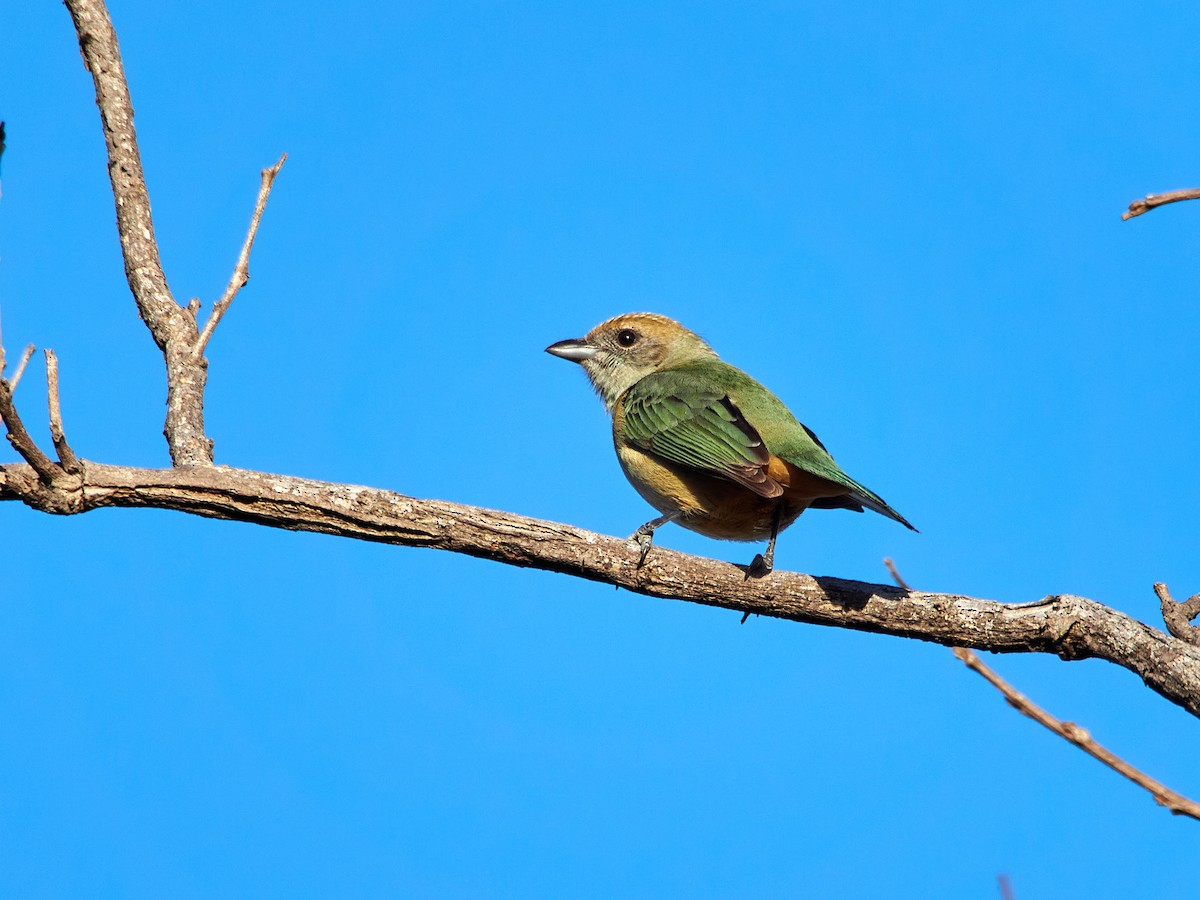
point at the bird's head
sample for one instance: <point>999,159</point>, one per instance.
<point>620,352</point>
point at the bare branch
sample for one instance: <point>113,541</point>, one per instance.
<point>172,328</point>
<point>1064,625</point>
<point>41,464</point>
<point>1163,795</point>
<point>241,271</point>
<point>1178,616</point>
<point>26,354</point>
<point>1153,201</point>
<point>135,227</point>
<point>66,456</point>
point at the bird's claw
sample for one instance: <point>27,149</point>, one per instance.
<point>644,540</point>
<point>644,536</point>
<point>760,566</point>
<point>763,563</point>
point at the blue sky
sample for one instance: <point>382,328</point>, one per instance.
<point>903,218</point>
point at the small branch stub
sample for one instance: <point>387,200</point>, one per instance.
<point>18,436</point>
<point>1178,616</point>
<point>1153,201</point>
<point>50,491</point>
<point>66,456</point>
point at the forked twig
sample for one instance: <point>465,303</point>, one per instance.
<point>241,270</point>
<point>19,437</point>
<point>174,327</point>
<point>1163,795</point>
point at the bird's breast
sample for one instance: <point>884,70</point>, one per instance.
<point>712,506</point>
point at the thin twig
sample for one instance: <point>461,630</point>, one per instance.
<point>1163,795</point>
<point>66,456</point>
<point>241,271</point>
<point>19,438</point>
<point>1178,616</point>
<point>1005,885</point>
<point>1153,201</point>
<point>891,567</point>
<point>20,370</point>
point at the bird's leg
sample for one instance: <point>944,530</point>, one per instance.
<point>763,563</point>
<point>644,536</point>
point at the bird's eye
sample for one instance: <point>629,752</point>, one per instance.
<point>627,337</point>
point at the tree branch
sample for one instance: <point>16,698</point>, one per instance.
<point>14,428</point>
<point>1178,616</point>
<point>1177,803</point>
<point>1163,795</point>
<point>19,437</point>
<point>1153,201</point>
<point>241,270</point>
<point>172,328</point>
<point>66,456</point>
<point>1067,626</point>
<point>26,355</point>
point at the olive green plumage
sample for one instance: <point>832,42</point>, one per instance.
<point>703,442</point>
<point>715,418</point>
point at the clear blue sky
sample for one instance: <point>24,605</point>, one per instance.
<point>904,218</point>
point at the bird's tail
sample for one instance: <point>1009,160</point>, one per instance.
<point>875,503</point>
<point>860,498</point>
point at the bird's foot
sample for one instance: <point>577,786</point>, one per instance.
<point>762,564</point>
<point>643,539</point>
<point>759,567</point>
<point>644,536</point>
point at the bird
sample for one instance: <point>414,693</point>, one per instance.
<point>706,445</point>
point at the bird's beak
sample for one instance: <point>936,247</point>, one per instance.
<point>575,349</point>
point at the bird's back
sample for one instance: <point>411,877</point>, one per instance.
<point>785,436</point>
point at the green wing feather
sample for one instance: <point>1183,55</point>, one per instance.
<point>711,416</point>
<point>689,424</point>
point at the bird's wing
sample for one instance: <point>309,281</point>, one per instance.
<point>811,456</point>
<point>690,425</point>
